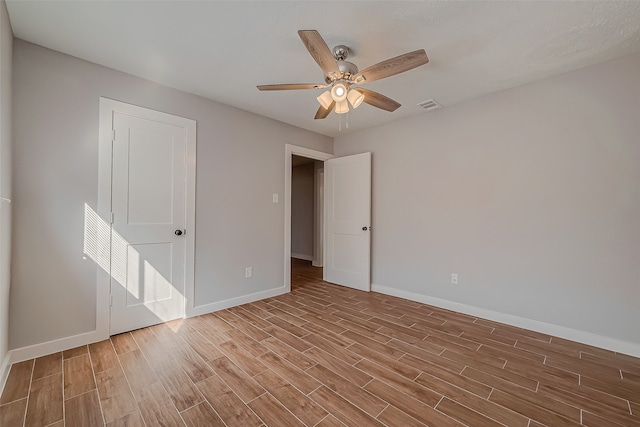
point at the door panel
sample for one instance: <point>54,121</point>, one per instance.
<point>150,195</point>
<point>347,211</point>
<point>148,204</point>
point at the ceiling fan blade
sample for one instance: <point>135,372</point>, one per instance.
<point>322,112</point>
<point>392,66</point>
<point>318,48</point>
<point>378,100</point>
<point>293,86</point>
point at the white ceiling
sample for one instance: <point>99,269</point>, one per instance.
<point>222,50</point>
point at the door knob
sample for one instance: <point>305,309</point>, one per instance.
<point>364,228</point>
<point>178,232</point>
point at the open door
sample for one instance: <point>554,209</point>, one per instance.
<point>347,253</point>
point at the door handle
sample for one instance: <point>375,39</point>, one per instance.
<point>364,228</point>
<point>179,232</point>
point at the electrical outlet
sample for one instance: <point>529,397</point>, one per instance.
<point>454,278</point>
<point>275,197</point>
<point>248,272</point>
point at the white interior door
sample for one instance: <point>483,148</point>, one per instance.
<point>347,188</point>
<point>149,211</point>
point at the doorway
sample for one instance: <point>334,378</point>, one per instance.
<point>307,213</point>
<point>295,157</point>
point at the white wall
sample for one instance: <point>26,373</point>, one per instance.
<point>6,46</point>
<point>531,195</point>
<point>302,205</point>
<point>240,163</point>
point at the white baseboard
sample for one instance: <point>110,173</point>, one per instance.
<point>232,302</point>
<point>43,349</point>
<point>5,366</point>
<point>613,344</point>
<point>302,256</point>
<point>54,346</point>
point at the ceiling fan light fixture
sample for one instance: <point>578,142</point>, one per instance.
<point>325,99</point>
<point>339,92</point>
<point>355,98</point>
<point>342,107</point>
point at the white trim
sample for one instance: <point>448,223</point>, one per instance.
<point>43,349</point>
<point>302,256</point>
<point>232,302</point>
<point>5,367</point>
<point>290,150</point>
<point>613,344</point>
<point>107,108</point>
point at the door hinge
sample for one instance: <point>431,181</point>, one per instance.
<point>110,300</point>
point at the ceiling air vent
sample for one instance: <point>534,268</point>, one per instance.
<point>430,105</point>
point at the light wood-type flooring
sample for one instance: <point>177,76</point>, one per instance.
<point>325,355</point>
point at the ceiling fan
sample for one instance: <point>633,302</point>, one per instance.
<point>341,75</point>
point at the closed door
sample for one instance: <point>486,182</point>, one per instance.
<point>347,187</point>
<point>149,216</point>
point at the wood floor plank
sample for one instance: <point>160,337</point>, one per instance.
<point>400,383</point>
<point>622,417</point>
<point>241,383</point>
<point>133,419</point>
<point>156,407</point>
<point>202,415</point>
<point>273,413</point>
<point>195,367</point>
<point>17,384</point>
<point>332,348</point>
<point>138,372</point>
<point>300,405</point>
<point>116,398</point>
<point>464,414</point>
<point>123,343</point>
<point>201,345</point>
<point>103,356</point>
<point>393,416</point>
<point>410,406</point>
<point>364,400</point>
<point>293,356</point>
<point>45,401</point>
<point>74,352</point>
<point>354,375</point>
<point>244,360</point>
<point>390,363</point>
<point>225,402</point>
<point>47,365</point>
<point>329,421</point>
<point>288,338</point>
<point>344,411</point>
<point>252,346</point>
<point>619,388</point>
<point>13,414</point>
<point>83,411</point>
<point>299,379</point>
<point>452,385</point>
<point>180,388</point>
<point>375,345</point>
<point>530,410</point>
<point>78,376</point>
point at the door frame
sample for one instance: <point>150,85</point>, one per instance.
<point>105,158</point>
<point>289,151</point>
